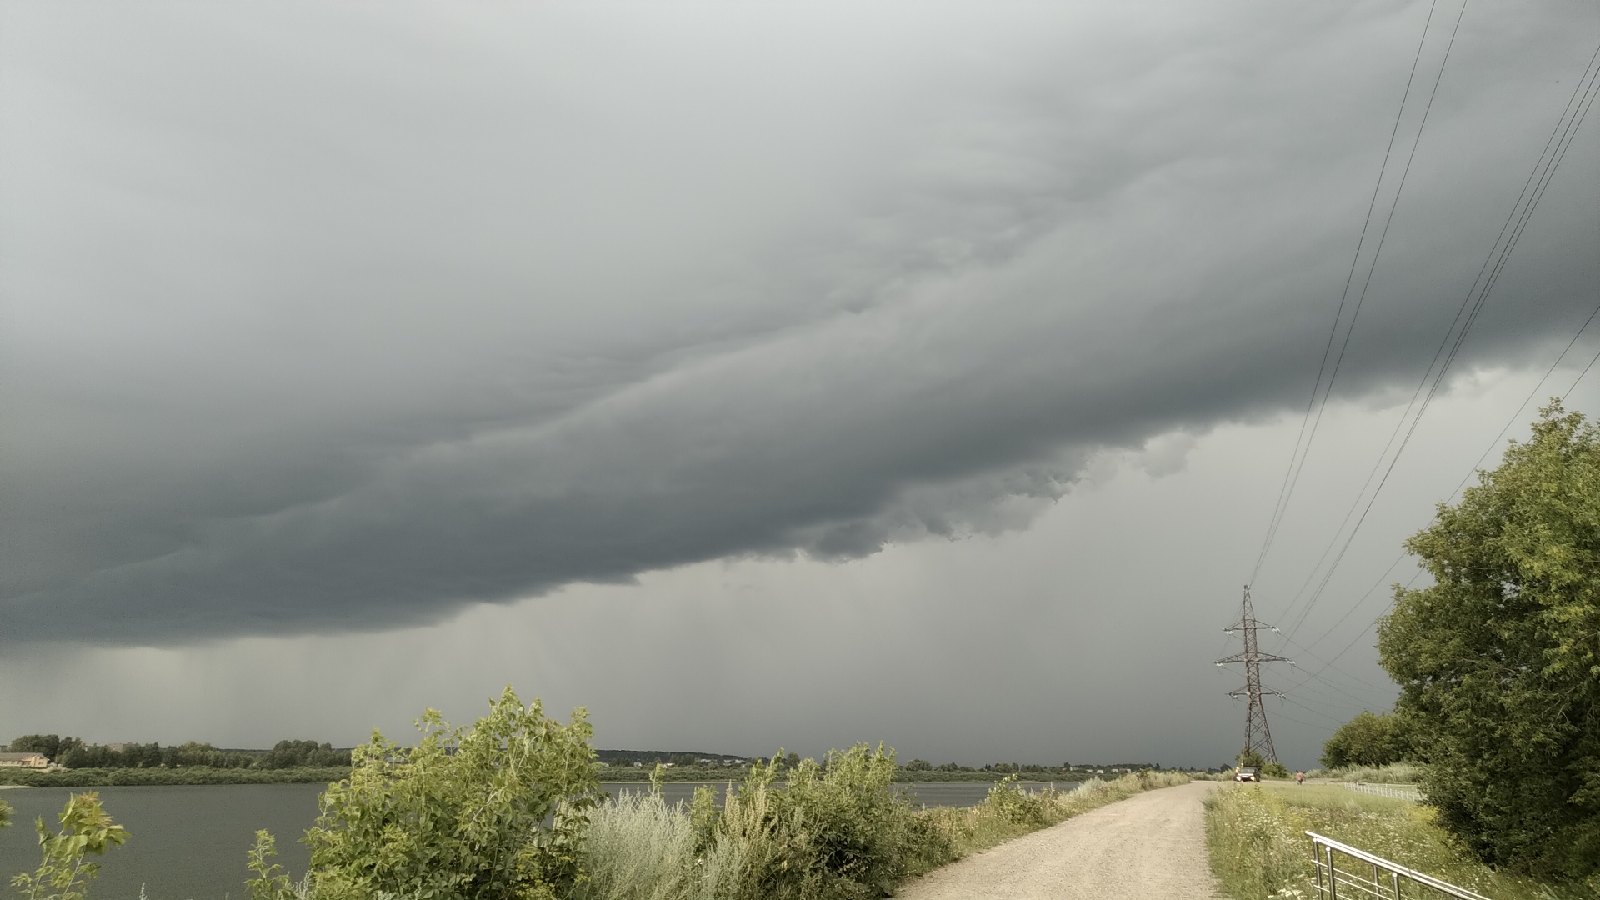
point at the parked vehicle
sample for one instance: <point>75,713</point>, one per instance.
<point>1247,773</point>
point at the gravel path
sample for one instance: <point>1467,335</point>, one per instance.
<point>1149,846</point>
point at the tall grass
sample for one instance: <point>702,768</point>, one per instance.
<point>835,831</point>
<point>1258,847</point>
<point>637,848</point>
<point>1394,773</point>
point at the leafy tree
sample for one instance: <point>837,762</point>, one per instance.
<point>1498,662</point>
<point>1249,758</point>
<point>48,744</point>
<point>919,765</point>
<point>1368,740</point>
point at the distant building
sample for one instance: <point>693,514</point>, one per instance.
<point>24,761</point>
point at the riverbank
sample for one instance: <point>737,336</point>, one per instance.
<point>86,778</point>
<point>903,776</point>
<point>97,777</point>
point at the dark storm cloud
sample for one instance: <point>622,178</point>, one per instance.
<point>317,321</point>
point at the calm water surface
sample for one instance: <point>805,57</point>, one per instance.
<point>190,841</point>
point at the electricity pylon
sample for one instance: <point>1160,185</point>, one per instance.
<point>1257,735</point>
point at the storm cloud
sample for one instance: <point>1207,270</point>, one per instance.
<point>328,318</point>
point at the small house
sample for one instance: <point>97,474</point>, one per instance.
<point>24,761</point>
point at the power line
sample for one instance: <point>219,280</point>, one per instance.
<point>1587,366</point>
<point>1286,489</point>
<point>1477,466</point>
<point>1346,648</point>
<point>1549,162</point>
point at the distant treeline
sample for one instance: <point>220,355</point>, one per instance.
<point>669,757</point>
<point>617,765</point>
<point>74,753</point>
<point>75,778</point>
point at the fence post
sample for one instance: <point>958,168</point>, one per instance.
<point>1316,857</point>
<point>1333,878</point>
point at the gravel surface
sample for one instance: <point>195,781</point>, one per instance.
<point>1152,845</point>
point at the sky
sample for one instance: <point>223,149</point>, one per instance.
<point>760,375</point>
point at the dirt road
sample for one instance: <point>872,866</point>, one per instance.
<point>1146,847</point>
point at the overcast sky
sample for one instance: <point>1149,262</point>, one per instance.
<point>753,375</point>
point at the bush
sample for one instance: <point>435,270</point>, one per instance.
<point>858,835</point>
<point>1017,806</point>
<point>63,874</point>
<point>460,815</point>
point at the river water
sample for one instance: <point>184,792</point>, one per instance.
<point>189,842</point>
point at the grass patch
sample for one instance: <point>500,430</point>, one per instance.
<point>1395,773</point>
<point>1258,848</point>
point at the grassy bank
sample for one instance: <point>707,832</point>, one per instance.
<point>832,833</point>
<point>511,809</point>
<point>722,774</point>
<point>1258,847</point>
<point>76,778</point>
<point>1010,812</point>
<point>1397,773</point>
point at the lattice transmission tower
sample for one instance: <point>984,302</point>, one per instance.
<point>1257,734</point>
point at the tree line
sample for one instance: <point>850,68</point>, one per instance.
<point>74,753</point>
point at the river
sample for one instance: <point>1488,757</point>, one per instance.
<point>189,842</point>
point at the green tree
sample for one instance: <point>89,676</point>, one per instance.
<point>48,744</point>
<point>1368,740</point>
<point>1498,662</point>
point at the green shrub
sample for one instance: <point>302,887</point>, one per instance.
<point>460,815</point>
<point>63,874</point>
<point>1017,806</point>
<point>857,836</point>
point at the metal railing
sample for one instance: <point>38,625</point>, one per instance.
<point>1366,875</point>
<point>1397,791</point>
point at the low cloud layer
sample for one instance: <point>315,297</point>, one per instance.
<point>344,320</point>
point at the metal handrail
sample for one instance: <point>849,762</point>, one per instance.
<point>1322,849</point>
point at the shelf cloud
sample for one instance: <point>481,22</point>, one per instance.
<point>344,320</point>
